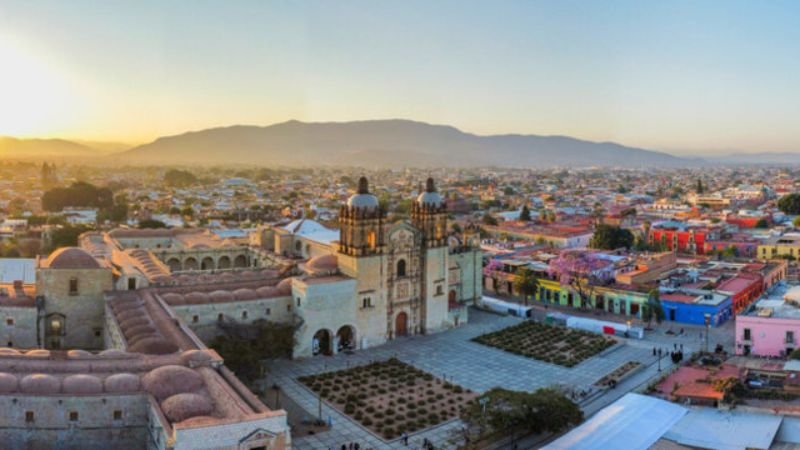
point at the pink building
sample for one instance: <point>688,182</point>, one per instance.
<point>772,326</point>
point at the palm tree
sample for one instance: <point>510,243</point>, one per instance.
<point>526,282</point>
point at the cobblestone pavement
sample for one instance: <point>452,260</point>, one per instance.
<point>450,354</point>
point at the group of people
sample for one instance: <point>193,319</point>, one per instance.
<point>426,444</point>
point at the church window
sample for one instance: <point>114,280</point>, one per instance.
<point>401,268</point>
<point>244,314</point>
<point>366,302</point>
<point>268,311</point>
<point>439,290</point>
<point>10,322</point>
<point>73,416</point>
<point>195,319</point>
<point>29,416</point>
<point>219,317</point>
<point>117,414</point>
<point>289,307</point>
<point>73,286</point>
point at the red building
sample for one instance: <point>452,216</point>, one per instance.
<point>681,238</point>
<point>744,289</point>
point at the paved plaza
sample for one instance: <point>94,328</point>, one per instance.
<point>452,355</point>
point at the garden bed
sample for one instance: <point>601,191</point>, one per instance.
<point>390,397</point>
<point>619,374</point>
<point>558,345</point>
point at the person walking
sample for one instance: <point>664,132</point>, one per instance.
<point>404,436</point>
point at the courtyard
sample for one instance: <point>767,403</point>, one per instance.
<point>390,397</point>
<point>452,356</point>
<point>558,345</point>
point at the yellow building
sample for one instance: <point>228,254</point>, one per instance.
<point>786,245</point>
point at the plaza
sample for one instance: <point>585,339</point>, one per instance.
<point>451,355</point>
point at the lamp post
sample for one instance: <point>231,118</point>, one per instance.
<point>659,360</point>
<point>707,318</point>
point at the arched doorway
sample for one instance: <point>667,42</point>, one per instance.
<point>190,264</point>
<point>451,296</point>
<point>401,324</point>
<point>224,262</point>
<point>174,265</point>
<point>240,261</point>
<point>322,343</point>
<point>346,338</point>
<point>207,264</point>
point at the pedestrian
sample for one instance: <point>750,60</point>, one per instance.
<point>405,438</point>
<point>356,446</point>
<point>674,346</point>
<point>344,446</point>
<point>654,351</point>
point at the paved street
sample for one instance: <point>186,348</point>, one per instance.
<point>474,366</point>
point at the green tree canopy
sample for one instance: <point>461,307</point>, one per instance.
<point>501,411</point>
<point>79,195</point>
<point>790,204</point>
<point>653,309</point>
<point>610,237</point>
<point>179,178</point>
<point>525,282</point>
<point>525,214</point>
<point>151,223</point>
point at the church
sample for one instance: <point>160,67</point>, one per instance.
<point>380,281</point>
<point>119,324</point>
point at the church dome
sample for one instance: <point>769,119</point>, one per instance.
<point>82,384</point>
<point>323,263</point>
<point>430,197</point>
<point>39,383</point>
<point>122,382</point>
<point>180,407</point>
<point>71,258</point>
<point>362,198</point>
<point>8,383</point>
<point>167,381</point>
<point>285,286</point>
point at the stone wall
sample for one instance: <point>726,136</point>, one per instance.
<point>95,426</point>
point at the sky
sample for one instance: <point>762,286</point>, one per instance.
<point>680,76</point>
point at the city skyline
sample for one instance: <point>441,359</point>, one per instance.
<point>680,77</point>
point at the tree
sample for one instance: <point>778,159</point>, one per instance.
<point>790,204</point>
<point>609,237</point>
<point>243,346</point>
<point>151,223</point>
<point>179,178</point>
<point>700,188</point>
<point>796,222</point>
<point>652,309</point>
<point>762,223</point>
<point>525,214</point>
<point>502,412</point>
<point>488,219</point>
<point>581,271</point>
<point>79,194</point>
<point>66,236</point>
<point>526,282</point>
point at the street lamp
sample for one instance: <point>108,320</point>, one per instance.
<point>659,360</point>
<point>707,318</point>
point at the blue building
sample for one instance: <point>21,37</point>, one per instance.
<point>691,306</point>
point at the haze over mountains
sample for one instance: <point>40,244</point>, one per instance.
<point>373,143</point>
<point>386,143</point>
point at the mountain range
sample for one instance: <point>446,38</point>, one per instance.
<point>387,143</point>
<point>371,143</point>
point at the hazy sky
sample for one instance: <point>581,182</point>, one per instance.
<point>680,76</point>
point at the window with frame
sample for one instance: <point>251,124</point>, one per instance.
<point>73,286</point>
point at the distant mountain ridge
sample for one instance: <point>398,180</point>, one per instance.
<point>386,143</point>
<point>11,147</point>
